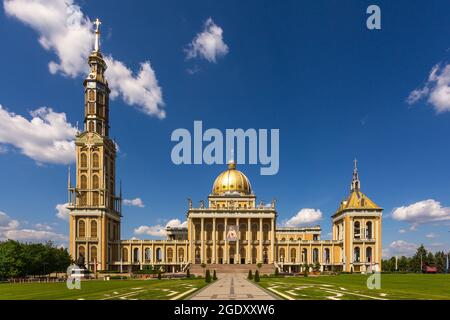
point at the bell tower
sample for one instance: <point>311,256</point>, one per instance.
<point>95,207</point>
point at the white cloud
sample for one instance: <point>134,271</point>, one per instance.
<point>47,137</point>
<point>402,231</point>
<point>432,235</point>
<point>421,212</point>
<point>304,217</point>
<point>400,248</point>
<point>10,229</point>
<point>65,30</point>
<point>208,44</point>
<point>159,230</point>
<point>62,211</point>
<point>436,89</point>
<point>137,202</point>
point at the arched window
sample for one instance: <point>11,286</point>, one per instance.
<point>83,160</point>
<point>265,232</point>
<point>243,232</point>
<point>315,255</point>
<point>95,198</point>
<point>254,254</point>
<point>305,255</point>
<point>209,231</point>
<point>83,198</point>
<point>357,255</point>
<point>99,128</point>
<point>169,255</point>
<point>159,255</point>
<point>357,230</point>
<point>147,255</point>
<point>81,251</point>
<point>369,254</point>
<point>180,255</point>
<point>95,160</point>
<point>81,229</point>
<point>95,182</point>
<point>94,229</point>
<point>254,232</point>
<point>293,255</point>
<point>83,183</point>
<point>326,255</point>
<point>220,230</point>
<point>282,254</point>
<point>93,254</point>
<point>369,230</point>
<point>197,232</point>
<point>136,255</point>
<point>125,254</point>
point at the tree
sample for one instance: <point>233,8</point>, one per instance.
<point>207,276</point>
<point>419,259</point>
<point>250,275</point>
<point>440,261</point>
<point>257,276</point>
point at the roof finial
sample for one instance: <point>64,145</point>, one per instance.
<point>97,24</point>
<point>355,180</point>
<point>231,163</point>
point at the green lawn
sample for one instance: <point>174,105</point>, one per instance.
<point>354,287</point>
<point>153,289</point>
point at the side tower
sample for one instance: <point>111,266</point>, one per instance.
<point>357,226</point>
<point>95,209</point>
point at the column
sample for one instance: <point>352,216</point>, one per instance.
<point>214,251</point>
<point>225,253</point>
<point>260,240</point>
<point>249,241</point>
<point>272,240</point>
<point>238,252</point>
<point>202,238</point>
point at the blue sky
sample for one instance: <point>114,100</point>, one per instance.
<point>335,89</point>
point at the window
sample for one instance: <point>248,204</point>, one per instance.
<point>94,229</point>
<point>369,230</point>
<point>95,160</point>
<point>169,255</point>
<point>136,255</point>
<point>265,232</point>
<point>91,126</point>
<point>83,160</point>
<point>315,255</point>
<point>180,254</point>
<point>81,252</point>
<point>124,254</point>
<point>81,229</point>
<point>293,255</point>
<point>326,256</point>
<point>93,254</point>
<point>282,254</point>
<point>357,230</point>
<point>368,254</point>
<point>83,183</point>
<point>95,182</point>
<point>356,255</point>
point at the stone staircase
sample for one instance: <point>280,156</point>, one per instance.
<point>197,269</point>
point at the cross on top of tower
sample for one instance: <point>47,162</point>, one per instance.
<point>355,180</point>
<point>97,24</point>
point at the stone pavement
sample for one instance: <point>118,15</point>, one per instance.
<point>232,286</point>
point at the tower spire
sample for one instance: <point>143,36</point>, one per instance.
<point>97,24</point>
<point>355,180</point>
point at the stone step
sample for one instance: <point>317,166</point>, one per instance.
<point>196,269</point>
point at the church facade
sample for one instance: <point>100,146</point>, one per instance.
<point>231,230</point>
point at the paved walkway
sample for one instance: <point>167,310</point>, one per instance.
<point>232,286</point>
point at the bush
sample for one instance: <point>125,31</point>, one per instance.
<point>250,275</point>
<point>305,271</point>
<point>207,276</point>
<point>214,275</point>
<point>256,276</point>
<point>277,272</point>
<point>188,273</point>
<point>159,275</point>
<point>118,278</point>
<point>259,265</point>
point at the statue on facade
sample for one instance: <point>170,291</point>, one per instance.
<point>190,203</point>
<point>202,204</point>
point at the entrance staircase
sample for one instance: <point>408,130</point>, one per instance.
<point>231,268</point>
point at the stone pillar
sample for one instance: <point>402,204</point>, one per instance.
<point>238,249</point>
<point>249,241</point>
<point>214,251</point>
<point>202,239</point>
<point>260,240</point>
<point>225,253</point>
<point>272,240</point>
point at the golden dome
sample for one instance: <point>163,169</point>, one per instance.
<point>232,181</point>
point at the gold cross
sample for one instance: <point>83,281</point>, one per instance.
<point>97,24</point>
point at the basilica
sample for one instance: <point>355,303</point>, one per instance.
<point>231,231</point>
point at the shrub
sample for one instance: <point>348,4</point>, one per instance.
<point>207,276</point>
<point>214,275</point>
<point>159,275</point>
<point>250,275</point>
<point>256,276</point>
<point>277,272</point>
<point>259,265</point>
<point>188,273</point>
